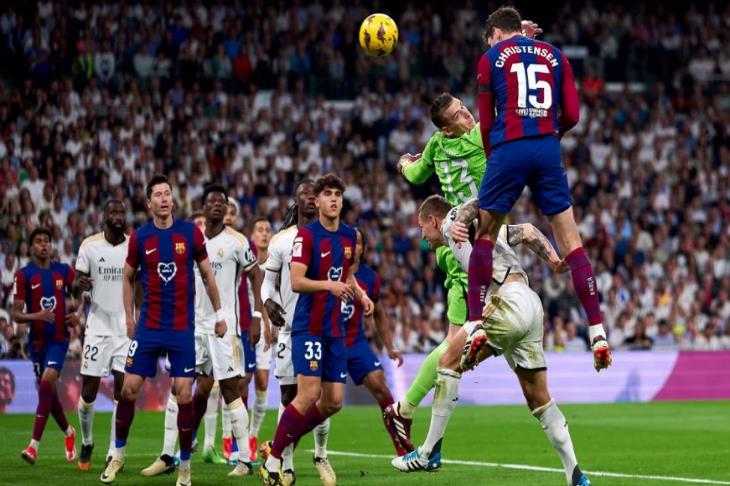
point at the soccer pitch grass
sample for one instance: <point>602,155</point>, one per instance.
<point>618,444</point>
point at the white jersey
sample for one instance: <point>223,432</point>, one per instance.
<point>104,263</point>
<point>279,261</point>
<point>505,261</point>
<point>229,254</point>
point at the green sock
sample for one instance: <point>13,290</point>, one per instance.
<point>424,381</point>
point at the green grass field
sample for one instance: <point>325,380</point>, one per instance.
<point>622,444</point>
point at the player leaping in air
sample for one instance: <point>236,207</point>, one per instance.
<point>513,326</point>
<point>165,252</point>
<point>321,272</point>
<point>527,100</point>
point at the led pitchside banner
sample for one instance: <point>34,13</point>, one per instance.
<point>634,377</point>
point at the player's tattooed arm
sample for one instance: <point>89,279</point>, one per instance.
<point>537,242</point>
<point>465,215</point>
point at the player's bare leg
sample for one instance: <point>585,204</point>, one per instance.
<point>570,245</point>
<point>89,392</point>
<point>261,387</point>
<point>544,408</point>
<point>375,383</point>
<point>49,404</point>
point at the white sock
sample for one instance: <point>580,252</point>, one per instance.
<point>226,423</point>
<point>168,444</point>
<point>272,463</point>
<point>119,453</point>
<point>211,419</point>
<point>185,464</point>
<point>445,396</point>
<point>113,433</point>
<point>239,426</point>
<point>35,444</point>
<point>405,408</point>
<point>556,428</point>
<point>259,411</point>
<point>321,434</point>
<point>86,420</point>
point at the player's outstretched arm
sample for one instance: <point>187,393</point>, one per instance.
<point>211,288</point>
<point>128,294</point>
<point>257,279</point>
<point>537,242</point>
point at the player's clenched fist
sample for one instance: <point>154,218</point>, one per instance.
<point>276,313</point>
<point>406,160</point>
<point>220,328</point>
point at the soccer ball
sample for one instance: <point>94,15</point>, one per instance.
<point>378,35</point>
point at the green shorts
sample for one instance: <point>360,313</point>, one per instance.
<point>456,305</point>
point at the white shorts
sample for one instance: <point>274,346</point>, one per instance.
<point>263,358</point>
<point>514,326</point>
<point>221,356</point>
<point>104,354</point>
<point>284,365</point>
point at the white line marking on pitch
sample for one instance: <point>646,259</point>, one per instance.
<point>526,467</point>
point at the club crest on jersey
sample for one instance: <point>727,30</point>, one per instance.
<point>180,247</point>
<point>167,271</point>
<point>296,249</point>
<point>313,365</point>
<point>334,273</point>
<point>59,283</point>
<point>347,309</point>
<point>220,252</point>
<point>348,252</point>
<point>48,303</point>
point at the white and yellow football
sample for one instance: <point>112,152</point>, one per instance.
<point>378,35</point>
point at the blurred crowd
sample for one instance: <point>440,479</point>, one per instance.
<point>260,94</point>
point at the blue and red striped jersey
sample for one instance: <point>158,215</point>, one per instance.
<point>165,259</point>
<point>369,281</point>
<point>530,85</point>
<point>45,288</point>
<point>328,256</point>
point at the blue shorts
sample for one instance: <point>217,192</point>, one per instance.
<point>249,353</point>
<point>361,361</point>
<point>52,355</point>
<point>534,162</point>
<point>325,357</point>
<point>147,347</point>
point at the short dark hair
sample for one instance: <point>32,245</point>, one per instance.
<point>506,18</point>
<point>434,205</point>
<point>301,183</point>
<point>156,179</point>
<point>40,230</point>
<point>328,180</point>
<point>260,219</point>
<point>210,188</point>
<point>438,105</point>
<point>112,200</point>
